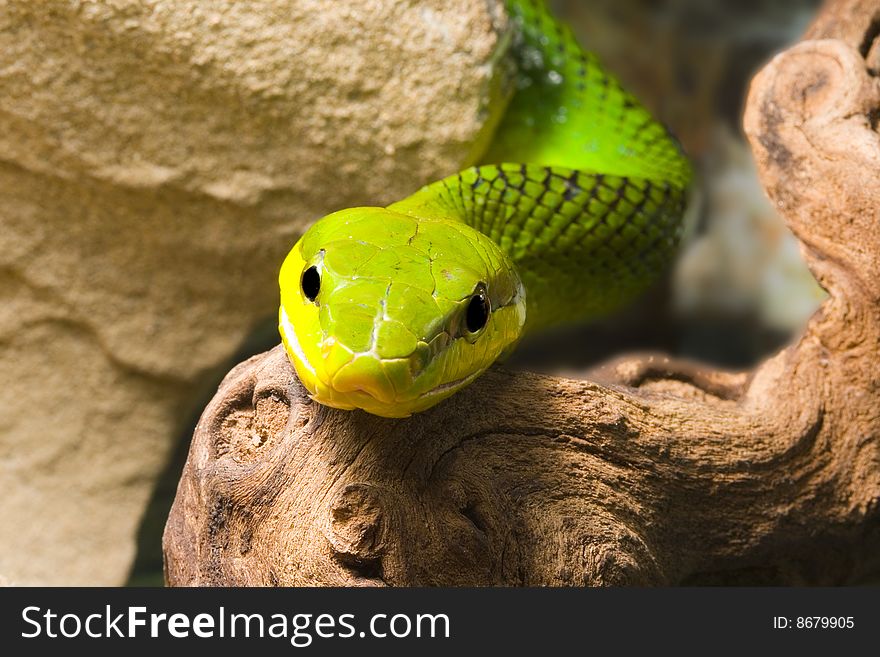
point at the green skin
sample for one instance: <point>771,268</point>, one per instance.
<point>587,222</point>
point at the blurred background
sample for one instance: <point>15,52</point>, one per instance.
<point>259,137</point>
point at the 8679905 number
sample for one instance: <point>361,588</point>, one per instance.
<point>814,622</point>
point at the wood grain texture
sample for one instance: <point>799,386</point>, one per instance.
<point>650,472</point>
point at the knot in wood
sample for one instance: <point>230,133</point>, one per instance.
<point>356,530</point>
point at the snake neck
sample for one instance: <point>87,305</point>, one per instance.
<point>584,244</point>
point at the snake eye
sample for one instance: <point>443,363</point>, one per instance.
<point>477,313</point>
<point>311,283</point>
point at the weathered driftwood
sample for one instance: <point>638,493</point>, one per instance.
<point>653,472</point>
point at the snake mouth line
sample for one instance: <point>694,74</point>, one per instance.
<point>451,385</point>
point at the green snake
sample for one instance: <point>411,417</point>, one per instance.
<point>575,209</point>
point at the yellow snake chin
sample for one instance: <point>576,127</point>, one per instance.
<point>363,382</point>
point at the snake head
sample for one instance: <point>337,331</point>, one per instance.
<point>392,314</point>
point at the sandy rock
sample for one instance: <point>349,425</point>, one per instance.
<point>157,159</point>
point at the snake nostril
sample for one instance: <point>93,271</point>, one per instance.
<point>426,352</point>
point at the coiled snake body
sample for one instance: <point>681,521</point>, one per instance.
<point>576,209</point>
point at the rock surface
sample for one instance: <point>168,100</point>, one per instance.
<point>157,159</point>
